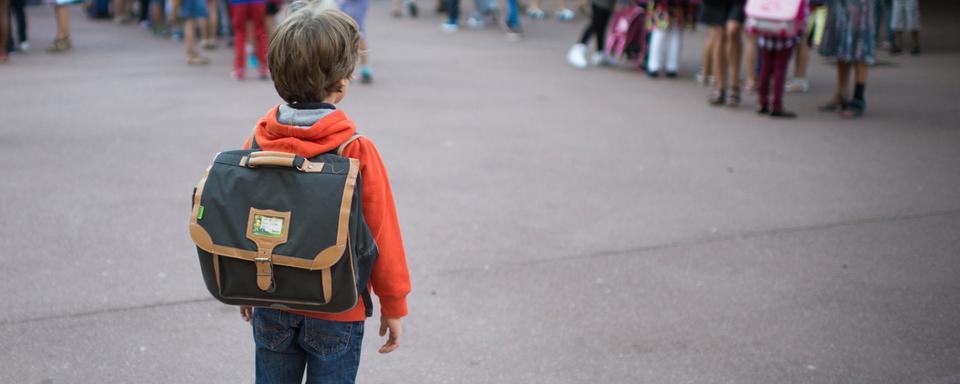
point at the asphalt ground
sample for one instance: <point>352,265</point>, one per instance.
<point>561,226</point>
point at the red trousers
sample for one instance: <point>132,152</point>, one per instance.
<point>773,63</point>
<point>240,14</point>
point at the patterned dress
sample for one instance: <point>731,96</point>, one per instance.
<point>666,14</point>
<point>850,33</point>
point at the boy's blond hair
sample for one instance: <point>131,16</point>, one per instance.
<point>311,51</point>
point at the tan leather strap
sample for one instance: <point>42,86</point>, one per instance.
<point>271,154</point>
<point>270,160</point>
<point>264,271</point>
<point>327,278</point>
<point>346,143</point>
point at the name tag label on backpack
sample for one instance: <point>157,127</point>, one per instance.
<point>268,226</point>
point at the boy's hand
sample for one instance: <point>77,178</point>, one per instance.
<point>393,325</point>
<point>246,312</point>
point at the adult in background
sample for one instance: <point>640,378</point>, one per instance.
<point>725,20</point>
<point>62,42</point>
<point>850,37</point>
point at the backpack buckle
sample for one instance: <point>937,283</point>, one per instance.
<point>264,273</point>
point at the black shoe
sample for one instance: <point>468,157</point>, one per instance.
<point>653,74</point>
<point>895,50</point>
<point>763,111</point>
<point>854,109</point>
<point>672,75</point>
<point>915,51</point>
<point>781,114</point>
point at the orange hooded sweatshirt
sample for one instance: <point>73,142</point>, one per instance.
<point>390,278</point>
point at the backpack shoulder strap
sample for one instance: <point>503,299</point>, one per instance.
<point>346,143</point>
<point>253,140</point>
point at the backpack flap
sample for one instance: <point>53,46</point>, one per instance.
<point>774,17</point>
<point>272,229</point>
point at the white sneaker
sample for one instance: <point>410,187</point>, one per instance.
<point>797,85</point>
<point>536,13</point>
<point>566,14</point>
<point>476,22</point>
<point>600,58</point>
<point>24,46</point>
<point>448,27</point>
<point>577,56</point>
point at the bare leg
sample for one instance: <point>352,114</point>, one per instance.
<point>156,16</point>
<point>190,40</point>
<point>916,39</point>
<point>750,58</point>
<point>719,56</point>
<point>189,36</point>
<point>803,58</point>
<point>843,81</point>
<point>708,46</point>
<point>212,22</point>
<point>63,22</point>
<point>860,70</point>
<point>719,95</point>
<point>734,47</point>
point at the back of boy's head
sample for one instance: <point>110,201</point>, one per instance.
<point>312,51</point>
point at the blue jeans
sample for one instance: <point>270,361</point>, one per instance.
<point>287,342</point>
<point>513,17</point>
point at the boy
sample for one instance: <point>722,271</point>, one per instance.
<point>312,56</point>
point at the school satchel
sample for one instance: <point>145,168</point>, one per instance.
<point>779,18</point>
<point>277,230</point>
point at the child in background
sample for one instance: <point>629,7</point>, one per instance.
<point>17,6</point>
<point>243,12</point>
<point>357,9</point>
<point>666,20</point>
<point>905,17</point>
<point>775,52</point>
<point>600,11</point>
<point>194,13</point>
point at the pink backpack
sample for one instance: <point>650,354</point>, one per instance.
<point>781,18</point>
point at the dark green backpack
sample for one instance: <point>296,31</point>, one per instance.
<point>277,230</point>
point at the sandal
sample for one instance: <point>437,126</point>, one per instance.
<point>717,98</point>
<point>60,45</point>
<point>835,104</point>
<point>854,109</point>
<point>733,99</point>
<point>195,59</point>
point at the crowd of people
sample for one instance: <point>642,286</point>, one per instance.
<point>843,30</point>
<point>648,31</point>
